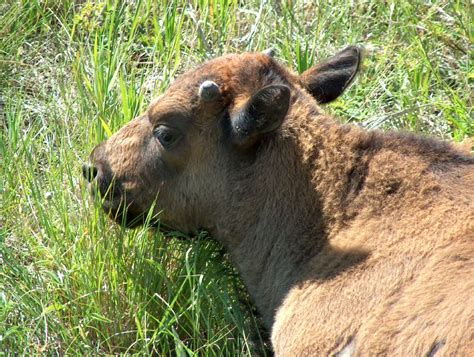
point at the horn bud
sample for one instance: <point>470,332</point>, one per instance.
<point>209,91</point>
<point>269,52</point>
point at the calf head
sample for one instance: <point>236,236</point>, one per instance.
<point>180,159</point>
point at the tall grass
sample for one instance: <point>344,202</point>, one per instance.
<point>73,72</point>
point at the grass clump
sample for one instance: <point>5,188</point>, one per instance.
<point>73,72</point>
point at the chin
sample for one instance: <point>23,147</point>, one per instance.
<point>125,217</point>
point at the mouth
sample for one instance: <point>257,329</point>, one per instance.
<point>124,214</point>
<point>126,217</point>
<point>117,207</point>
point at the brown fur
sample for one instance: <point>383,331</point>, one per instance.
<point>347,240</point>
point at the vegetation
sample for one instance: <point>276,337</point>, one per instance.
<point>73,72</point>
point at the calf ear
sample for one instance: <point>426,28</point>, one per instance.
<point>263,113</point>
<point>327,80</point>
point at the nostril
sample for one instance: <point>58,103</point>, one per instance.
<point>89,172</point>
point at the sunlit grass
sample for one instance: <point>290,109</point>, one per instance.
<point>73,72</point>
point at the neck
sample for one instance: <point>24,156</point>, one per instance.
<point>270,263</point>
<point>285,225</point>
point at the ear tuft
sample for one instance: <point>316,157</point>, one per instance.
<point>263,113</point>
<point>327,80</point>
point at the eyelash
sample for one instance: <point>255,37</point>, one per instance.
<point>166,136</point>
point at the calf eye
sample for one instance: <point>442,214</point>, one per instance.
<point>166,136</point>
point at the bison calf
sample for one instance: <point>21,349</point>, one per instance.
<point>350,242</point>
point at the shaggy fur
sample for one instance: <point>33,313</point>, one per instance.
<point>350,242</point>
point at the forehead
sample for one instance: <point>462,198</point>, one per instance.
<point>228,72</point>
<point>237,75</point>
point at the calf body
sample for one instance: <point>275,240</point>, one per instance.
<point>349,242</point>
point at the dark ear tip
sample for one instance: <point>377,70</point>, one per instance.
<point>353,48</point>
<point>355,51</point>
<point>359,51</point>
